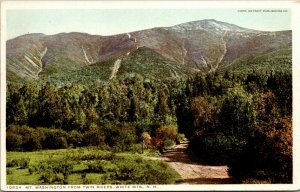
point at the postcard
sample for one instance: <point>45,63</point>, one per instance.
<point>150,95</point>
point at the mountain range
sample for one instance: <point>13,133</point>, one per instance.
<point>166,52</point>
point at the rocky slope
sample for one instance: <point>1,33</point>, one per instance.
<point>199,45</point>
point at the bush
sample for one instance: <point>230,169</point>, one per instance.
<point>101,166</point>
<point>75,139</point>
<point>32,142</point>
<point>132,171</point>
<point>22,163</point>
<point>169,143</point>
<point>93,137</point>
<point>54,139</point>
<point>167,132</point>
<point>23,138</point>
<point>157,143</point>
<point>9,171</point>
<point>54,170</point>
<point>179,138</point>
<point>50,177</point>
<point>121,137</point>
<point>12,163</point>
<point>13,141</point>
<point>136,148</point>
<point>146,137</point>
<point>85,180</point>
<point>92,155</point>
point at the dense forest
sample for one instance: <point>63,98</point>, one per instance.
<point>243,121</point>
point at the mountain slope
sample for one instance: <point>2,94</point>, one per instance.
<point>190,47</point>
<point>143,61</point>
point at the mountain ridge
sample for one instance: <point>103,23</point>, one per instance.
<point>198,45</point>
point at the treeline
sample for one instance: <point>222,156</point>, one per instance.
<point>117,114</point>
<point>242,121</point>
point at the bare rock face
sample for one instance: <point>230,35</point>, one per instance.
<point>199,45</point>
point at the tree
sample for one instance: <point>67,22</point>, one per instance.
<point>204,113</point>
<point>133,111</point>
<point>267,155</point>
<point>49,110</point>
<point>237,113</point>
<point>162,107</point>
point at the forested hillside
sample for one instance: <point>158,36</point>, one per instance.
<point>243,122</point>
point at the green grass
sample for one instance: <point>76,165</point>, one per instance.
<point>90,166</point>
<point>21,177</point>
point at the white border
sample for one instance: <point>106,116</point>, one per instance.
<point>3,98</point>
<point>143,4</point>
<point>295,8</point>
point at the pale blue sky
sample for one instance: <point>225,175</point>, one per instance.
<point>115,21</point>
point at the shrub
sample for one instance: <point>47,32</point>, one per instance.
<point>75,139</point>
<point>157,143</point>
<point>23,138</point>
<point>101,166</point>
<point>93,137</point>
<point>50,177</point>
<point>23,163</point>
<point>13,141</point>
<point>167,132</point>
<point>136,148</point>
<point>86,181</point>
<point>179,138</point>
<point>124,169</point>
<point>54,139</point>
<point>121,137</point>
<point>54,170</point>
<point>146,137</point>
<point>132,171</point>
<point>169,143</point>
<point>31,170</point>
<point>32,141</point>
<point>9,171</point>
<point>12,163</point>
<point>92,155</point>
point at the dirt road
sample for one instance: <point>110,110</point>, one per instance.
<point>194,173</point>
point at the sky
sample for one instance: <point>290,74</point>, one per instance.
<point>116,21</point>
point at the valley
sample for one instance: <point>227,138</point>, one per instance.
<point>210,101</point>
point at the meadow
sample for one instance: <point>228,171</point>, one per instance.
<point>87,165</point>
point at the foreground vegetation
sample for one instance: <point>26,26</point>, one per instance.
<point>87,166</point>
<point>240,119</point>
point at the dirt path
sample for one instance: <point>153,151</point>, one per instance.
<point>191,172</point>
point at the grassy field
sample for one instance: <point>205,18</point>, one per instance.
<point>87,166</point>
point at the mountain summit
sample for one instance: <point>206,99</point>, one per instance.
<point>209,25</point>
<point>186,48</point>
